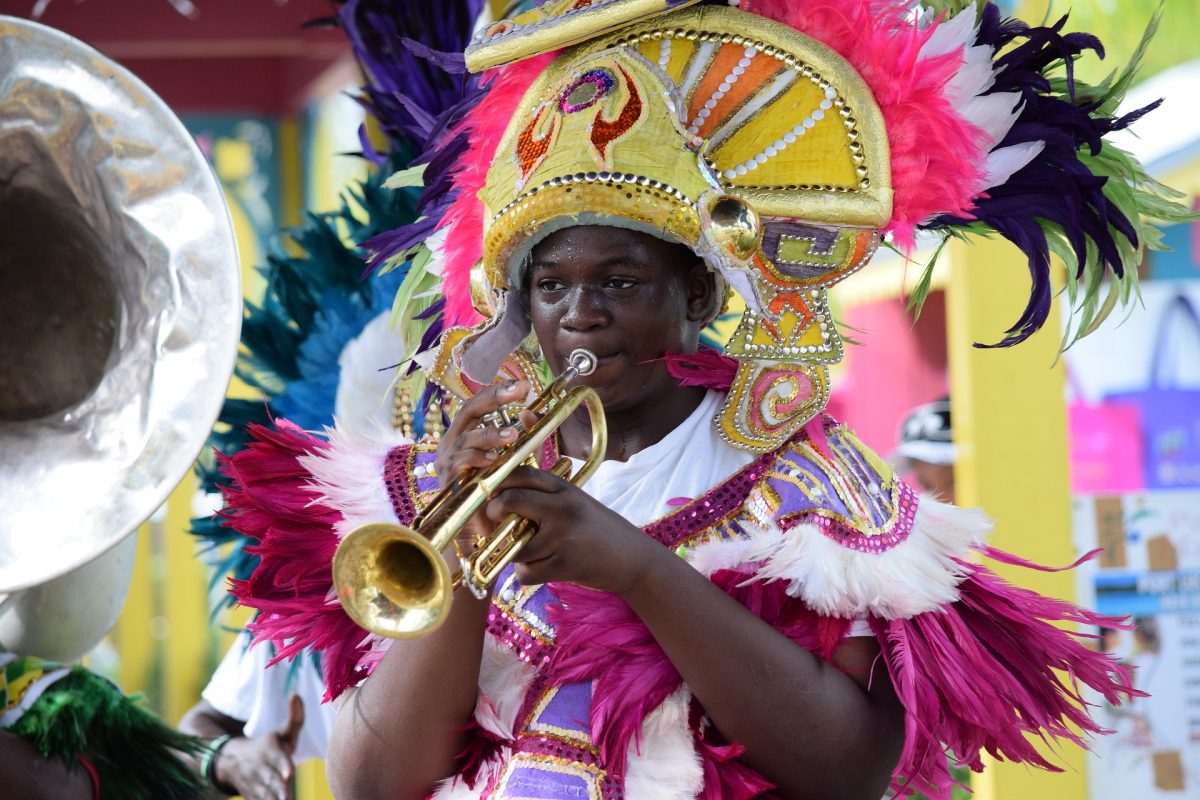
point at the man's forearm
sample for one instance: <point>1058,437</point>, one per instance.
<point>402,730</point>
<point>805,724</point>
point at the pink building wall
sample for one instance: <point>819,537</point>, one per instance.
<point>898,365</point>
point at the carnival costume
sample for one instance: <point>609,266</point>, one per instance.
<point>781,141</point>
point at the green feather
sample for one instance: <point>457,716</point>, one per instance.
<point>135,754</point>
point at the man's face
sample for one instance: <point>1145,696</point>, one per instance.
<point>935,479</point>
<point>626,296</point>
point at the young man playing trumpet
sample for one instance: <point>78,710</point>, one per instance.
<point>742,599</point>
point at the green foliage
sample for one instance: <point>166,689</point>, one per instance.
<point>960,774</point>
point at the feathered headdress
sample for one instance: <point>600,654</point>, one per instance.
<point>835,122</point>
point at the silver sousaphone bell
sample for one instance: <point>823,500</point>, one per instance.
<point>120,313</point>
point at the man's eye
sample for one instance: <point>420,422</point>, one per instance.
<point>549,285</point>
<point>622,283</point>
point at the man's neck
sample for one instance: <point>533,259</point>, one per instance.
<point>631,431</point>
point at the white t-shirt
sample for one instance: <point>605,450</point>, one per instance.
<point>686,463</point>
<point>245,688</point>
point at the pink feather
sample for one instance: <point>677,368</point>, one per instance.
<point>464,219</point>
<point>938,158</point>
<point>975,676</point>
<point>708,368</point>
<point>988,670</point>
<point>814,429</point>
<point>269,499</point>
<point>725,778</point>
<point>599,637</point>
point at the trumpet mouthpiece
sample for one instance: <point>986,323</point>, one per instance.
<point>583,361</point>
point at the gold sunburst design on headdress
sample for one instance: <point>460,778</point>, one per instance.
<point>788,124</point>
<point>583,146</point>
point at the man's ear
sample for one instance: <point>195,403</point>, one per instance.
<point>703,298</point>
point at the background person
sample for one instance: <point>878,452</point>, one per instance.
<point>260,722</point>
<point>926,449</point>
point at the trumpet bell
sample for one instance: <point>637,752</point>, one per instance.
<point>391,581</point>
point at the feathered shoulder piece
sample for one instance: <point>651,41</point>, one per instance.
<point>294,496</point>
<point>835,524</point>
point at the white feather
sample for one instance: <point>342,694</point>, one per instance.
<point>437,244</point>
<point>455,789</point>
<point>1002,163</point>
<point>951,35</point>
<point>919,574</point>
<point>503,681</point>
<point>994,114</point>
<point>974,77</point>
<point>349,476</point>
<point>667,766</point>
<point>364,392</point>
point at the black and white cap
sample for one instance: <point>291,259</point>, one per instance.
<point>926,435</point>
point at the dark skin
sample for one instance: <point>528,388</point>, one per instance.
<point>259,767</point>
<point>25,773</point>
<point>935,479</point>
<point>816,730</point>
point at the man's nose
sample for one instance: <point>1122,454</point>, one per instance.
<point>585,309</point>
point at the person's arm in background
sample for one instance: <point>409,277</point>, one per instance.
<point>254,767</point>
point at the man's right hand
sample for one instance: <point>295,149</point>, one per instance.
<point>261,768</point>
<point>470,444</point>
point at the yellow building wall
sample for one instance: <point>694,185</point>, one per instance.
<point>1011,437</point>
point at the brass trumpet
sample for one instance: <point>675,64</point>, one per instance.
<point>393,580</point>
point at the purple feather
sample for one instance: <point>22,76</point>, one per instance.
<point>1056,187</point>
<point>390,244</point>
<point>407,48</point>
<point>450,63</point>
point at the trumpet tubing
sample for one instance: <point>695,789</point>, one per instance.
<point>394,581</point>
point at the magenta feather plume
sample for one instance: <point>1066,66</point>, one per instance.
<point>708,368</point>
<point>993,667</point>
<point>269,500</point>
<point>484,127</point>
<point>600,638</point>
<point>725,777</point>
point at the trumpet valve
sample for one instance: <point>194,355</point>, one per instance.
<point>507,416</point>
